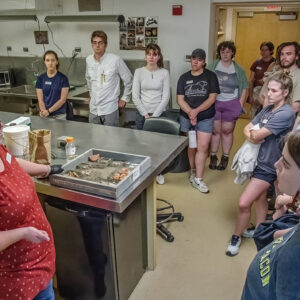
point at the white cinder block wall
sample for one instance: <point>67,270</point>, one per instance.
<point>177,35</point>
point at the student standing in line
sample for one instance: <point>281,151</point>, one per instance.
<point>229,104</point>
<point>103,73</point>
<point>151,87</point>
<point>258,69</point>
<point>52,88</point>
<point>288,60</point>
<point>197,90</point>
<point>274,272</point>
<point>274,121</point>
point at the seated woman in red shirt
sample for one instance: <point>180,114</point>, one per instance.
<point>27,254</point>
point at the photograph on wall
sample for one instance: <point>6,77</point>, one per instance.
<point>41,37</point>
<point>151,22</point>
<point>150,41</point>
<point>140,21</point>
<point>123,27</point>
<point>137,32</point>
<point>123,40</point>
<point>131,23</point>
<point>140,30</point>
<point>131,42</point>
<point>140,42</point>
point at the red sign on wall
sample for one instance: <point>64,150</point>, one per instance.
<point>177,10</point>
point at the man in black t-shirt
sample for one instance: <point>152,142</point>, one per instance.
<point>197,90</point>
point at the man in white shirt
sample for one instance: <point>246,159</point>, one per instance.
<point>103,73</point>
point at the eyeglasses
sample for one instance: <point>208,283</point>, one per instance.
<point>98,43</point>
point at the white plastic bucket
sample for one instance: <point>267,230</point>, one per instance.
<point>16,140</point>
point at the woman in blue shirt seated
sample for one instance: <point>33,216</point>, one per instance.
<point>52,88</point>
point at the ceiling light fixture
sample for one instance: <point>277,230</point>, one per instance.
<point>85,18</point>
<point>18,18</point>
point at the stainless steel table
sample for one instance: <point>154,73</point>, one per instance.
<point>161,148</point>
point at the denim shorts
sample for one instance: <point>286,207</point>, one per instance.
<point>261,174</point>
<point>205,125</point>
<point>228,111</point>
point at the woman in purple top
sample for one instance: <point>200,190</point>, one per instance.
<point>52,88</point>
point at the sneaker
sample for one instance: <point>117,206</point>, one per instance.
<point>213,162</point>
<point>234,246</point>
<point>223,163</point>
<point>201,186</point>
<point>160,179</point>
<point>249,232</point>
<point>192,176</point>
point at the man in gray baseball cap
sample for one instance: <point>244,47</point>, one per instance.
<point>199,53</point>
<point>197,90</point>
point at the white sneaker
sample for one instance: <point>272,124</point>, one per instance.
<point>234,246</point>
<point>248,233</point>
<point>200,185</point>
<point>160,179</point>
<point>192,176</point>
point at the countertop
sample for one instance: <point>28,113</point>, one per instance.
<point>162,149</point>
<point>78,95</point>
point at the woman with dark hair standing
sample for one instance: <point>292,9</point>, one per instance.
<point>258,69</point>
<point>52,88</point>
<point>229,103</point>
<point>151,86</point>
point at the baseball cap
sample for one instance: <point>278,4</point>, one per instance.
<point>199,53</point>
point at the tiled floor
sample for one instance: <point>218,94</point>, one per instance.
<point>195,266</point>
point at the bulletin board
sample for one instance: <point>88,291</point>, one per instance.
<point>138,32</point>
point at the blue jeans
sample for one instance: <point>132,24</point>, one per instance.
<point>46,294</point>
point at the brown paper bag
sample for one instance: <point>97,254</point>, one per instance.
<point>40,146</point>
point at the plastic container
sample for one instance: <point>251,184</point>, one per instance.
<point>70,148</point>
<point>16,140</point>
<point>192,138</point>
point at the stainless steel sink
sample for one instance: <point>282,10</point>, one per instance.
<point>25,89</point>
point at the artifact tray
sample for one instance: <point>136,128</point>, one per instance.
<point>110,176</point>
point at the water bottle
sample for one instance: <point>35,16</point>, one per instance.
<point>70,148</point>
<point>192,137</point>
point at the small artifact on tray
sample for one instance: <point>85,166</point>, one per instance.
<point>73,174</point>
<point>94,158</point>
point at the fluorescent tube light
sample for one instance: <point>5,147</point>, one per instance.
<point>18,17</point>
<point>85,18</point>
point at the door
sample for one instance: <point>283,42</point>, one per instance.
<point>251,32</point>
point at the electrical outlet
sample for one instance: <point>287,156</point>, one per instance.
<point>77,49</point>
<point>25,49</point>
<point>9,48</point>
